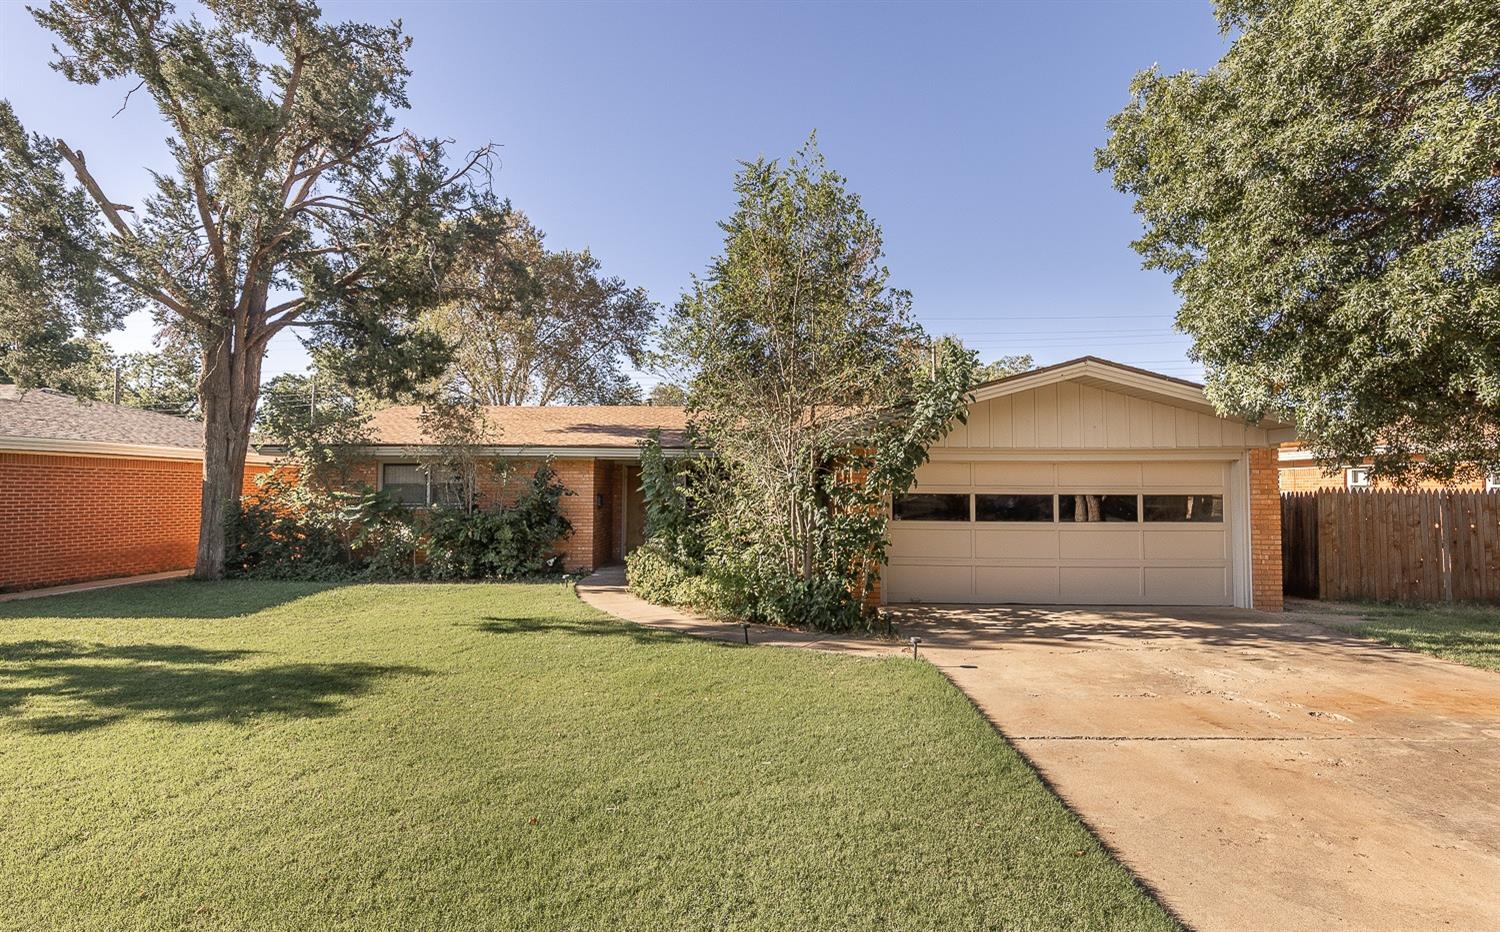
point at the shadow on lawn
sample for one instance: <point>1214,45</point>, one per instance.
<point>494,624</point>
<point>170,682</point>
<point>177,598</point>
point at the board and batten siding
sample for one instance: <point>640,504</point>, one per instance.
<point>1075,416</point>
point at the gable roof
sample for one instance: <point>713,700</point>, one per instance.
<point>1115,376</point>
<point>550,427</point>
<point>44,420</point>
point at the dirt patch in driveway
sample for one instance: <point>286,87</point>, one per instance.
<point>1258,771</point>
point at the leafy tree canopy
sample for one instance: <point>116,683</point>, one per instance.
<point>531,325</point>
<point>813,386</point>
<point>290,200</point>
<point>1004,366</point>
<point>1327,201</point>
<point>667,393</point>
<point>55,290</point>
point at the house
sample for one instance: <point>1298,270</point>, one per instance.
<point>1300,471</point>
<point>1087,482</point>
<point>90,490</point>
<point>1092,482</point>
<point>595,451</point>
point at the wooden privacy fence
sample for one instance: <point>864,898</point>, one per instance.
<point>1391,545</point>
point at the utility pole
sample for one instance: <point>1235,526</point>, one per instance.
<point>117,384</point>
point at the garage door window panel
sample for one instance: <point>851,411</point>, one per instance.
<point>1096,508</point>
<point>931,506</point>
<point>1015,508</point>
<point>1184,509</point>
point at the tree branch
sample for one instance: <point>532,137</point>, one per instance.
<point>111,210</point>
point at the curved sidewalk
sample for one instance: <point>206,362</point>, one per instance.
<point>606,591</point>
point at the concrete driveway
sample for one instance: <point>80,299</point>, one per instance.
<point>1259,772</point>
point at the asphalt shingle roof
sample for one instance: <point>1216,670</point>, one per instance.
<point>622,426</point>
<point>43,414</point>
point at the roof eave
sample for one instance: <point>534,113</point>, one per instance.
<point>1135,380</point>
<point>389,450</point>
<point>104,448</point>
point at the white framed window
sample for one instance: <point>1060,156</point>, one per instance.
<point>1492,481</point>
<point>413,485</point>
<point>1357,477</point>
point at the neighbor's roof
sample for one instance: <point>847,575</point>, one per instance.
<point>552,426</point>
<point>43,420</point>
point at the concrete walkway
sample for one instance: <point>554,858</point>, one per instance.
<point>93,584</point>
<point>606,591</point>
<point>1257,771</point>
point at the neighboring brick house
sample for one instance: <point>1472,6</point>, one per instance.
<point>595,451</point>
<point>90,490</point>
<point>1300,471</point>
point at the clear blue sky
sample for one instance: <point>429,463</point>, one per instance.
<point>968,130</point>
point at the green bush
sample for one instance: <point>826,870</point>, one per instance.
<point>715,595</point>
<point>502,542</point>
<point>288,530</point>
<point>652,573</point>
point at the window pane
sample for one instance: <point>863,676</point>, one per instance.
<point>449,491</point>
<point>1084,507</point>
<point>931,507</point>
<point>406,482</point>
<point>1184,508</point>
<point>1013,508</point>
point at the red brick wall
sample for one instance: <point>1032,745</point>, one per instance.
<point>1311,479</point>
<point>1265,531</point>
<point>581,477</point>
<point>606,516</point>
<point>590,544</point>
<point>66,519</point>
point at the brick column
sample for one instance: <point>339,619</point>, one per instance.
<point>580,510</point>
<point>1265,530</point>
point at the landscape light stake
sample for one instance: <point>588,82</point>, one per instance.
<point>746,629</point>
<point>914,642</point>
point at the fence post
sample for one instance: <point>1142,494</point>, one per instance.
<point>1445,527</point>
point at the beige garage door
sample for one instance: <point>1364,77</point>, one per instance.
<point>1152,533</point>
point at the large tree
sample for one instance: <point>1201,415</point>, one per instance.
<point>814,387</point>
<point>1327,201</point>
<point>291,199</point>
<point>537,326</point>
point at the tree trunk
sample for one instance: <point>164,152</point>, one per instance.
<point>228,392</point>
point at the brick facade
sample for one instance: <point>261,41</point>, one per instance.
<point>68,519</point>
<point>590,507</point>
<point>1311,478</point>
<point>1265,530</point>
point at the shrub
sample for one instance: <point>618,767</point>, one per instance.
<point>502,542</point>
<point>652,573</point>
<point>714,594</point>
<point>288,530</point>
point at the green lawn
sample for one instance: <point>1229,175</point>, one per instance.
<point>1463,633</point>
<point>279,755</point>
